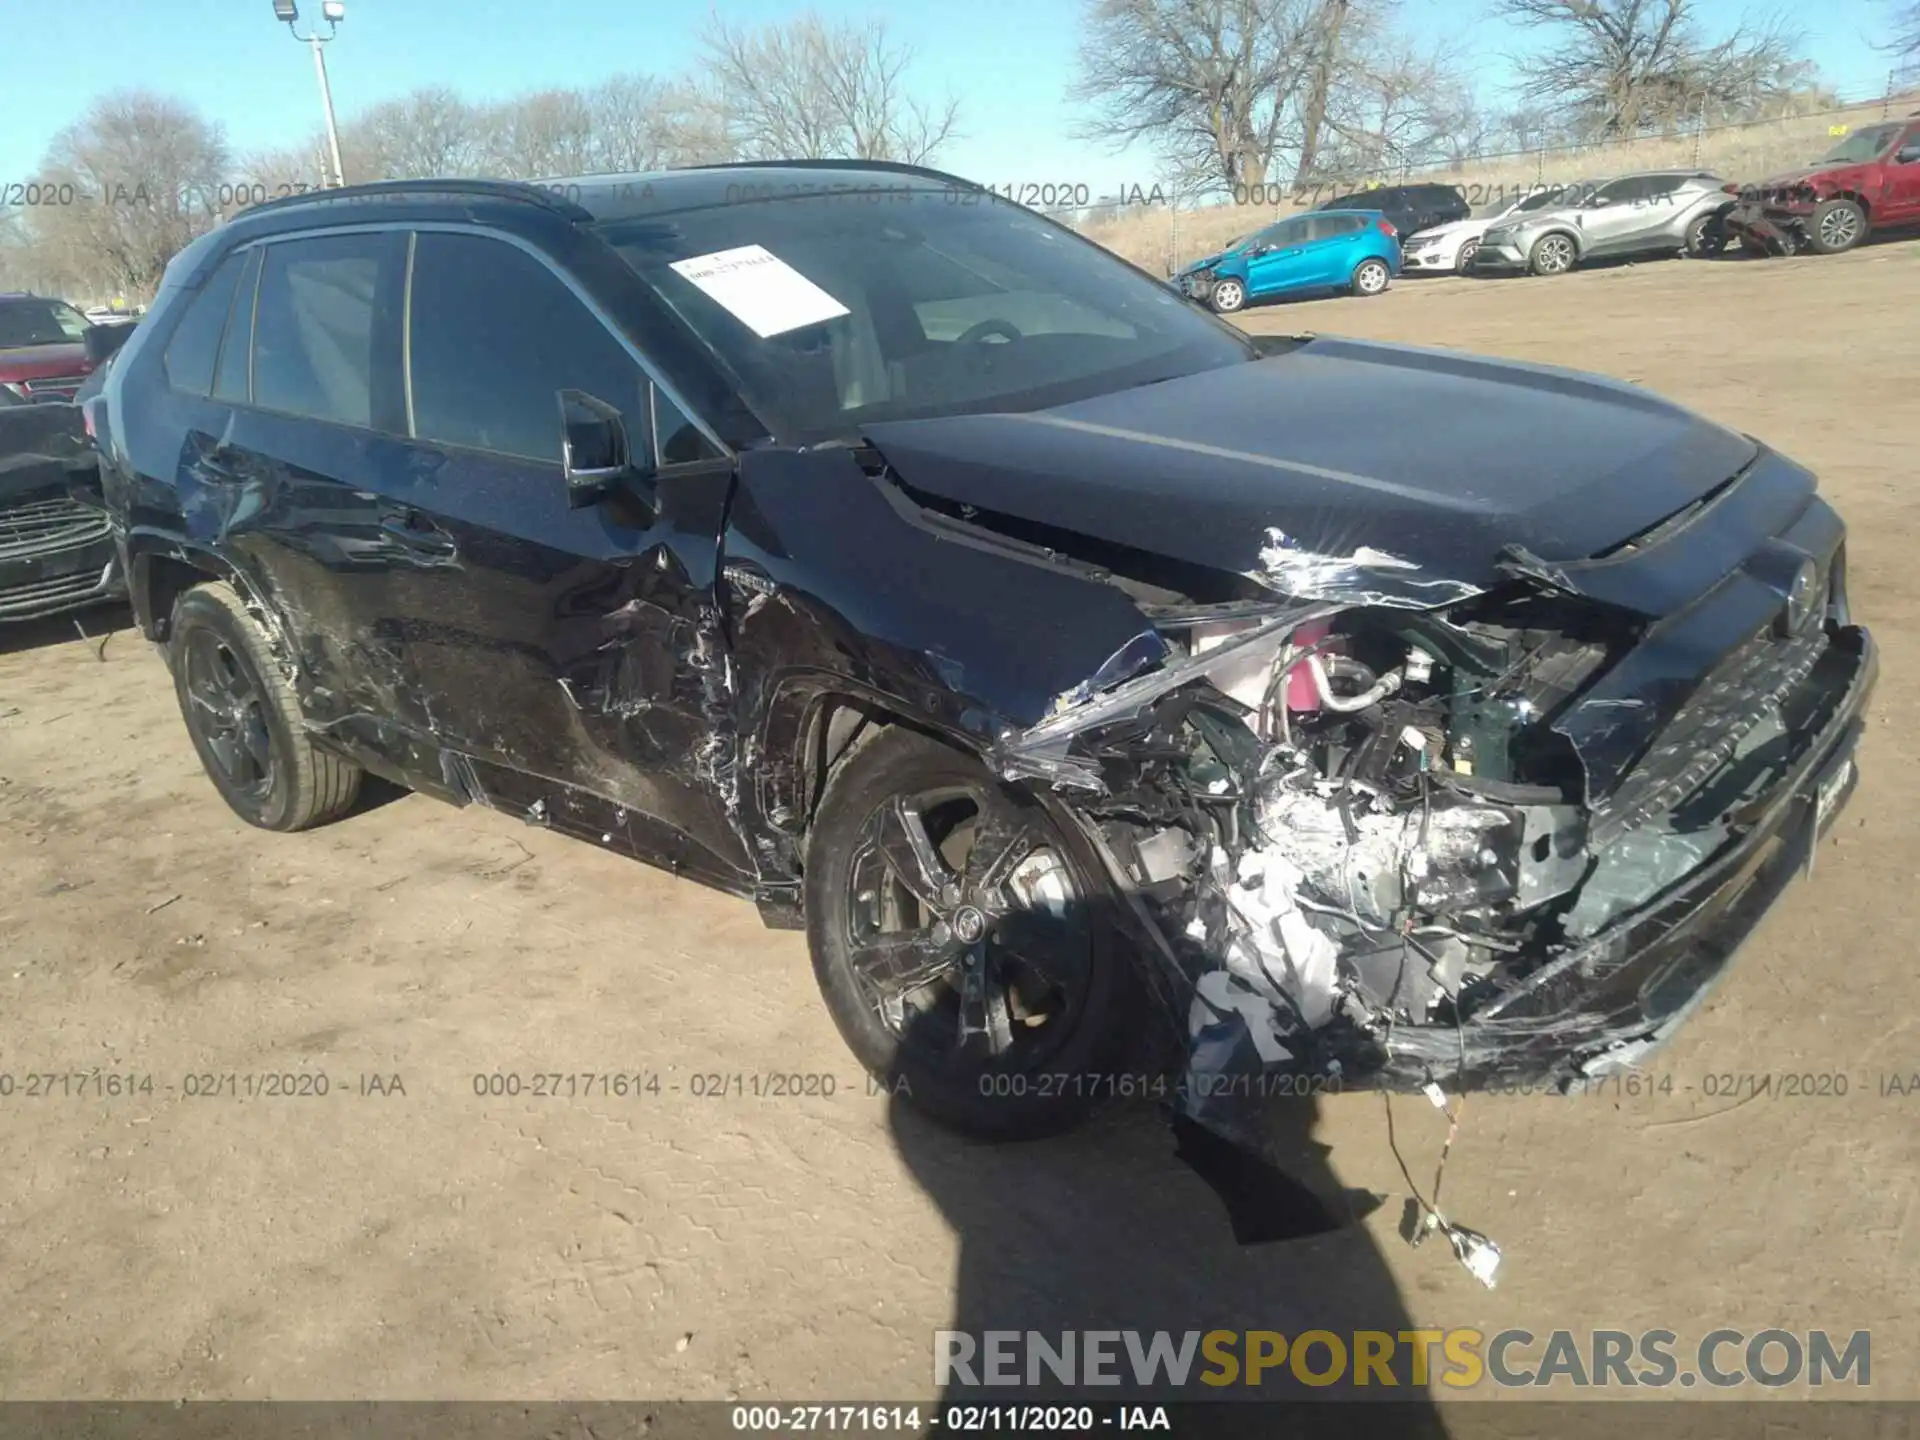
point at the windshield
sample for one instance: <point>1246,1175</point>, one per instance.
<point>829,315</point>
<point>1862,145</point>
<point>39,322</point>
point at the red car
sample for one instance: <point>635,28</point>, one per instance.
<point>43,352</point>
<point>1869,181</point>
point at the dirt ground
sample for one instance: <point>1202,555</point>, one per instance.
<point>682,1243</point>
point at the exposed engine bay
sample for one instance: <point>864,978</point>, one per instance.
<point>1346,822</point>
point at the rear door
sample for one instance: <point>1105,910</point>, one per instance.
<point>1328,251</point>
<point>304,414</point>
<point>574,656</point>
<point>1666,198</point>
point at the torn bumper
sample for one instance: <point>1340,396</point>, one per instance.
<point>1777,229</point>
<point>1606,1005</point>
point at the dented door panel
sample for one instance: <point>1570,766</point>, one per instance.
<point>580,647</point>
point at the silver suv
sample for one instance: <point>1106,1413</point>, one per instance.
<point>1649,212</point>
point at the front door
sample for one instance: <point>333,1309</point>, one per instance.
<point>571,659</point>
<point>1900,200</point>
<point>1278,262</point>
<point>1616,214</point>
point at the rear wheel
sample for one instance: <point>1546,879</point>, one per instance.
<point>1228,296</point>
<point>1706,237</point>
<point>1370,277</point>
<point>244,719</point>
<point>1552,255</point>
<point>961,941</point>
<point>1834,226</point>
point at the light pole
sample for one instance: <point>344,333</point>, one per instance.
<point>333,12</point>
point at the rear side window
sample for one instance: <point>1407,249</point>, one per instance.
<point>314,329</point>
<point>1328,227</point>
<point>191,353</point>
<point>493,335</point>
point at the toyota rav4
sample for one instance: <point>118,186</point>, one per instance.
<point>1080,673</point>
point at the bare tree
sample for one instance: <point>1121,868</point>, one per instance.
<point>145,173</point>
<point>1229,90</point>
<point>1905,44</point>
<point>546,133</point>
<point>429,132</point>
<point>811,90</point>
<point>1626,67</point>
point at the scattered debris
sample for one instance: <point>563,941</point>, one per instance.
<point>154,909</point>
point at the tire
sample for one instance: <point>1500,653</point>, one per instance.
<point>1228,296</point>
<point>244,719</point>
<point>1835,226</point>
<point>1553,254</point>
<point>1706,237</point>
<point>1463,262</point>
<point>883,797</point>
<point>1371,277</point>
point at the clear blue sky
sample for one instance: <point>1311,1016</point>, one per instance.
<point>1008,60</point>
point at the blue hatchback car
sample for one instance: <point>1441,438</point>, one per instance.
<point>1353,250</point>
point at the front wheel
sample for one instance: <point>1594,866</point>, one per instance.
<point>1228,296</point>
<point>1834,226</point>
<point>961,939</point>
<point>1552,255</point>
<point>1370,277</point>
<point>1463,264</point>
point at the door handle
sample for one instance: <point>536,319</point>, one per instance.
<point>411,530</point>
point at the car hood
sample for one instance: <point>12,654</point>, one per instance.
<point>1198,265</point>
<point>37,362</point>
<point>1463,228</point>
<point>1342,469</point>
<point>1835,172</point>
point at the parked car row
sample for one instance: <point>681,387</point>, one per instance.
<point>1358,242</point>
<point>56,549</point>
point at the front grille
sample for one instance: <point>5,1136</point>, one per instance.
<point>19,602</point>
<point>53,387</point>
<point>41,527</point>
<point>1704,733</point>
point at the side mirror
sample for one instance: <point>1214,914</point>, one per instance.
<point>103,341</point>
<point>1907,154</point>
<point>1599,202</point>
<point>595,453</point>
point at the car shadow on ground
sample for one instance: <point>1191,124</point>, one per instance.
<point>96,624</point>
<point>1140,1221</point>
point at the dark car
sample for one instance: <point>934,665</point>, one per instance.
<point>43,351</point>
<point>1408,208</point>
<point>1869,181</point>
<point>1089,680</point>
<point>57,551</point>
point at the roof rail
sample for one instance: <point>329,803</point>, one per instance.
<point>524,191</point>
<point>891,167</point>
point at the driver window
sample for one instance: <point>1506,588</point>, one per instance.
<point>493,335</point>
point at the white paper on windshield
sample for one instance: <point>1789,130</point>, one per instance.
<point>765,293</point>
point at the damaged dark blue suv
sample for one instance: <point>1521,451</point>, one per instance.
<point>1108,694</point>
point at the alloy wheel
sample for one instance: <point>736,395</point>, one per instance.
<point>1371,278</point>
<point>965,929</point>
<point>229,712</point>
<point>1839,227</point>
<point>1553,255</point>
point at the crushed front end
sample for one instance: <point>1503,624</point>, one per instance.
<point>1393,832</point>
